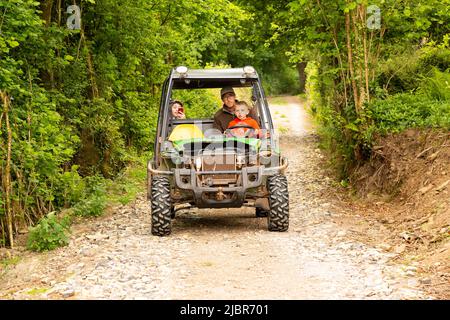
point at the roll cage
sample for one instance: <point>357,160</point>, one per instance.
<point>203,79</point>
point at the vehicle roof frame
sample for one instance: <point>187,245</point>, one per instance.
<point>205,75</point>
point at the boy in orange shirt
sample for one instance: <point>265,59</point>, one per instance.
<point>241,111</point>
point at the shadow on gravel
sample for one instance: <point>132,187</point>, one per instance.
<point>218,220</point>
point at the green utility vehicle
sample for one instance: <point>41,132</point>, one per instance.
<point>195,165</point>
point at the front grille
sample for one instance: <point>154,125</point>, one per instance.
<point>221,161</point>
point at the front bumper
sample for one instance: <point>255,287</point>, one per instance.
<point>238,192</point>
<point>187,179</point>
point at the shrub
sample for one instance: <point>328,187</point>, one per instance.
<point>91,207</point>
<point>438,57</point>
<point>49,233</point>
<point>437,86</point>
<point>94,201</point>
<point>398,76</point>
<point>406,110</point>
<point>280,79</point>
<point>70,188</point>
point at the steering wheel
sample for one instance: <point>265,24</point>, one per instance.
<point>247,134</point>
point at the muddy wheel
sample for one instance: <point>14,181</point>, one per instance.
<point>161,206</point>
<point>261,213</point>
<point>278,217</point>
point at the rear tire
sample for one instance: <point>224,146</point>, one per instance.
<point>161,206</point>
<point>278,217</point>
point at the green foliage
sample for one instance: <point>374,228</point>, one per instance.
<point>435,56</point>
<point>313,88</point>
<point>128,183</point>
<point>404,110</point>
<point>200,103</point>
<point>437,87</point>
<point>282,78</point>
<point>94,201</point>
<point>334,138</point>
<point>93,206</point>
<point>50,233</point>
<point>397,76</point>
<point>253,45</point>
<point>426,102</point>
<point>70,188</point>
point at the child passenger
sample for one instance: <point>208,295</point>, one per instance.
<point>241,111</point>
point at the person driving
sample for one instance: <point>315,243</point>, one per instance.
<point>226,114</point>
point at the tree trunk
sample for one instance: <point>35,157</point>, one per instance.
<point>46,7</point>
<point>350,61</point>
<point>7,174</point>
<point>90,66</point>
<point>366,51</point>
<point>301,66</point>
<point>59,12</point>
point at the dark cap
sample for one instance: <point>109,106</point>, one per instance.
<point>225,91</point>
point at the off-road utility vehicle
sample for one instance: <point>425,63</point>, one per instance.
<point>198,166</point>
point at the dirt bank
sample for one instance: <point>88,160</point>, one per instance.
<point>406,187</point>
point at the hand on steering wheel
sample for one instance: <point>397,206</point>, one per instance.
<point>247,134</point>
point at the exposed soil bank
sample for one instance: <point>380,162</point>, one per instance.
<point>406,187</point>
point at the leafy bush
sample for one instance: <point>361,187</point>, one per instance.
<point>398,76</point>
<point>435,56</point>
<point>437,86</point>
<point>94,201</point>
<point>70,188</point>
<point>91,207</point>
<point>422,89</point>
<point>49,233</point>
<point>406,110</point>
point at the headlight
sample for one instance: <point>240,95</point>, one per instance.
<point>249,70</point>
<point>182,70</point>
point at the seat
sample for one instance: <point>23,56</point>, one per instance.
<point>186,131</point>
